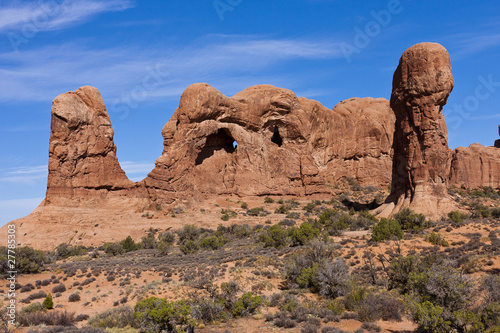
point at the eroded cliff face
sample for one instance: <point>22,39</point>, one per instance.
<point>266,141</point>
<point>475,166</point>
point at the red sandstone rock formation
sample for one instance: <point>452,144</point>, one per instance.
<point>421,86</point>
<point>475,166</point>
<point>264,141</point>
<point>82,154</point>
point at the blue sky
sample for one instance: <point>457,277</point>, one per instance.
<point>328,50</point>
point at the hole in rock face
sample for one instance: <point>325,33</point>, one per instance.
<point>276,138</point>
<point>217,141</point>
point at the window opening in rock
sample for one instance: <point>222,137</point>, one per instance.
<point>276,138</point>
<point>217,141</point>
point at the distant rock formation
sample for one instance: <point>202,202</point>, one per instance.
<point>497,142</point>
<point>475,166</point>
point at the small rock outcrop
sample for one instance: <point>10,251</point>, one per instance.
<point>82,154</point>
<point>421,85</point>
<point>497,142</point>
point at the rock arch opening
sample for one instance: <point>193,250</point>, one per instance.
<point>276,138</point>
<point>221,140</point>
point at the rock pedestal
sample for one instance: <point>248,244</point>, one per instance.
<point>421,85</point>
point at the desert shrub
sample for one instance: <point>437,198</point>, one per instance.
<point>437,239</point>
<point>404,271</point>
<point>48,303</point>
<point>128,244</point>
<point>301,269</point>
<point>189,247</point>
<point>490,285</point>
<point>380,306</point>
<point>441,300</point>
<point>120,317</point>
<point>208,310</point>
<point>456,217</point>
<point>480,210</point>
<point>29,260</point>
<point>276,236</point>
<point>155,314</point>
<point>411,222</point>
<point>247,304</point>
<point>64,251</point>
<point>74,297</point>
<point>113,248</point>
<point>495,212</point>
<point>212,242</point>
<point>188,233</point>
<point>309,328</point>
<point>335,222</point>
<point>268,200</point>
<point>355,295</point>
<point>81,317</point>
<point>59,288</point>
<point>332,279</point>
<point>284,322</point>
<point>34,307</point>
<point>163,247</point>
<point>363,221</point>
<point>46,318</point>
<point>336,306</point>
<point>282,209</point>
<point>167,237</point>
<point>37,295</point>
<point>304,234</point>
<point>386,229</point>
<point>255,211</point>
<point>149,241</point>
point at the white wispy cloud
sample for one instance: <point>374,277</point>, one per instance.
<point>35,16</point>
<point>44,73</point>
<point>24,175</point>
<point>136,168</point>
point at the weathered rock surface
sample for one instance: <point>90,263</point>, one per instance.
<point>421,85</point>
<point>475,166</point>
<point>265,141</point>
<point>82,154</point>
